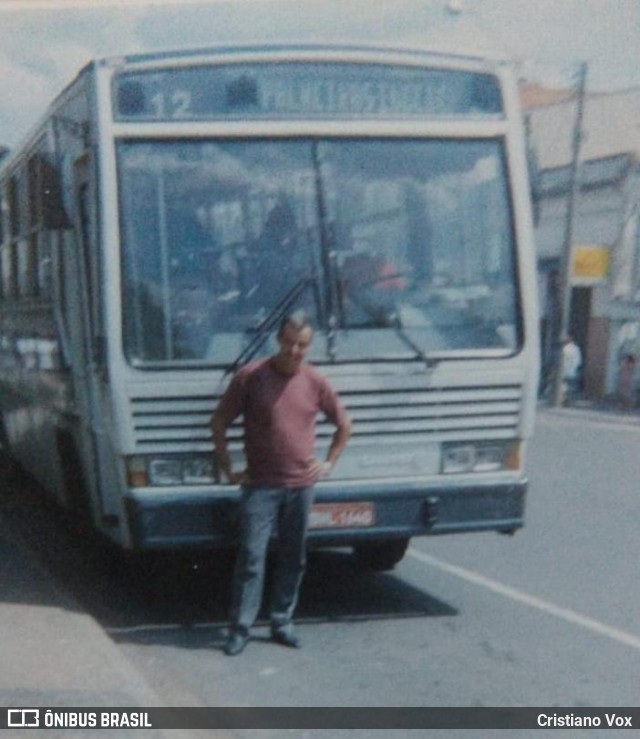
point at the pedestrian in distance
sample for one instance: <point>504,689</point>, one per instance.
<point>571,365</point>
<point>279,399</point>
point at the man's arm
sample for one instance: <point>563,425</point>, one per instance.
<point>219,424</point>
<point>338,443</point>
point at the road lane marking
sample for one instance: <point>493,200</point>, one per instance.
<point>566,614</point>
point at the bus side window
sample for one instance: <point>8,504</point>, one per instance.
<point>46,213</point>
<point>9,256</point>
<point>45,195</point>
<point>44,267</point>
<point>15,210</point>
<point>3,206</point>
<point>26,266</point>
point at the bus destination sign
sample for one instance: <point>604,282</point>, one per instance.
<point>303,90</point>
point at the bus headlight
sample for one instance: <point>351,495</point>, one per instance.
<point>163,471</point>
<point>198,470</point>
<point>492,456</point>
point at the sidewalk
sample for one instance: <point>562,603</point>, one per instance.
<point>594,411</point>
<point>53,654</point>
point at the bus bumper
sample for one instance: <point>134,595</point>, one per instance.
<point>184,518</point>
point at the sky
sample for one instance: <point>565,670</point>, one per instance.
<point>44,43</point>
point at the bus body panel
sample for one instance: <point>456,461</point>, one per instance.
<point>193,519</point>
<point>47,431</point>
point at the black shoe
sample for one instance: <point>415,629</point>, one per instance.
<point>235,643</point>
<point>286,638</point>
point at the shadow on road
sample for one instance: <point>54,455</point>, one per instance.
<point>191,610</point>
<point>181,598</point>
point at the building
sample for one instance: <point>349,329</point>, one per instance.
<point>605,271</point>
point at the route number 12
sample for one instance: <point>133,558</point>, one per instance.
<point>172,105</point>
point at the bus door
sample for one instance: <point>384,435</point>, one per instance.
<point>84,450</point>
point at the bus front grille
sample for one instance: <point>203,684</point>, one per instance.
<point>173,423</point>
<point>183,423</point>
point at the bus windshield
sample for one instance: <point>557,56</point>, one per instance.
<point>404,248</point>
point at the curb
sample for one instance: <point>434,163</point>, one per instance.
<point>55,654</point>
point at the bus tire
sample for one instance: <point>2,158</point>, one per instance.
<point>380,555</point>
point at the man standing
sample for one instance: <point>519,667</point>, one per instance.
<point>279,399</point>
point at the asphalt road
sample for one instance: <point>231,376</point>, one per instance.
<point>549,617</point>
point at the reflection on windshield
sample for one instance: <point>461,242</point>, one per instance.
<point>412,246</point>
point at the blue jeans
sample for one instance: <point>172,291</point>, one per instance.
<point>263,509</point>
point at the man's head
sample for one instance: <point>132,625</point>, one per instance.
<point>294,338</point>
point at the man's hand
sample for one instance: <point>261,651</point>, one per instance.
<point>319,469</point>
<point>238,478</point>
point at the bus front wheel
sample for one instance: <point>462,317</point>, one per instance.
<point>380,555</point>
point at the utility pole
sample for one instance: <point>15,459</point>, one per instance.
<point>567,250</point>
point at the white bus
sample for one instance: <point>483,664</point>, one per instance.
<point>171,207</point>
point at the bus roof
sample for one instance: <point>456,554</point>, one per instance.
<point>434,52</point>
<point>442,52</point>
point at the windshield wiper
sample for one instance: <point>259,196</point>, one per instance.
<point>268,323</point>
<point>420,354</point>
<point>393,323</point>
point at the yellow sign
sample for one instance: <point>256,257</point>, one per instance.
<point>590,264</point>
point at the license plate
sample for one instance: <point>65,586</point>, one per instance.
<point>341,515</point>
